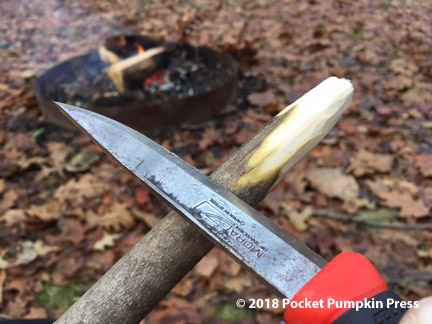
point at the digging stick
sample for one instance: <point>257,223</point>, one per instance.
<point>138,281</point>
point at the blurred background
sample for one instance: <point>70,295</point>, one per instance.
<point>67,212</point>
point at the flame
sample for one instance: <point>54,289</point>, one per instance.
<point>141,49</point>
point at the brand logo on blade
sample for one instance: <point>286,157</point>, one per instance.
<point>225,225</point>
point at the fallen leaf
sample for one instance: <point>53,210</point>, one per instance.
<point>72,230</point>
<point>149,219</point>
<point>36,312</point>
<point>2,280</point>
<point>207,266</point>
<point>208,138</point>
<point>22,142</point>
<point>333,183</point>
<point>41,249</point>
<point>142,195</point>
<point>238,283</point>
<point>298,218</point>
<point>365,162</point>
<point>262,99</point>
<point>16,308</point>
<point>376,186</point>
<point>108,240</point>
<point>13,216</point>
<point>408,206</point>
<point>82,161</point>
<point>77,191</point>
<point>8,200</point>
<point>425,253</point>
<point>424,163</point>
<point>48,212</point>
<point>348,127</point>
<point>25,163</point>
<point>26,255</point>
<point>2,185</point>
<point>183,288</point>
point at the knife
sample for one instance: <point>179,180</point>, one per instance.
<point>348,289</point>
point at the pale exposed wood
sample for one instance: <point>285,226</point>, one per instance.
<point>139,280</point>
<point>120,71</point>
<point>107,55</point>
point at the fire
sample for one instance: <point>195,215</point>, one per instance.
<point>156,77</point>
<point>141,49</point>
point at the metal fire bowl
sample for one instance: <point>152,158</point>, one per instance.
<point>135,112</point>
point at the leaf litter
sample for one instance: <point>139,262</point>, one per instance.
<point>67,212</point>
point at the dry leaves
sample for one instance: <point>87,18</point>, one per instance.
<point>118,216</point>
<point>207,266</point>
<point>364,162</point>
<point>57,189</point>
<point>333,183</point>
<point>108,240</point>
<point>2,280</point>
<point>409,207</point>
<point>424,163</point>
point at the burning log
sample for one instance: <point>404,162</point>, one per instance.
<point>141,278</point>
<point>123,71</point>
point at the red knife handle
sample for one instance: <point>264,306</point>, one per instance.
<point>346,282</point>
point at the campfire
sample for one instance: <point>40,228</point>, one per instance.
<point>132,66</point>
<point>143,83</point>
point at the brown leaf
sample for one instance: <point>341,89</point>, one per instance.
<point>13,216</point>
<point>108,240</point>
<point>48,212</point>
<point>118,216</point>
<point>59,151</point>
<point>8,200</point>
<point>142,195</point>
<point>409,207</point>
<point>333,183</point>
<point>424,163</point>
<point>41,249</point>
<point>207,266</point>
<point>72,230</point>
<point>348,127</point>
<point>262,99</point>
<point>149,219</point>
<point>298,218</point>
<point>67,267</point>
<point>22,142</point>
<point>77,191</point>
<point>37,312</point>
<point>209,137</point>
<point>365,162</point>
<point>16,308</point>
<point>2,280</point>
<point>238,283</point>
<point>184,287</point>
<point>2,185</point>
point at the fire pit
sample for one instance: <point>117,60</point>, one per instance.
<point>142,83</point>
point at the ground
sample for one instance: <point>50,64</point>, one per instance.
<point>67,212</point>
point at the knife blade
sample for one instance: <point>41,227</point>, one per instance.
<point>276,257</point>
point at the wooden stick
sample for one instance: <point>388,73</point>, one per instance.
<point>373,223</point>
<point>107,55</point>
<point>146,274</point>
<point>120,71</point>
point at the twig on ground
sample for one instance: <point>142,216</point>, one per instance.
<point>360,220</point>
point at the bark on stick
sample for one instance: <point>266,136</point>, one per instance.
<point>147,273</point>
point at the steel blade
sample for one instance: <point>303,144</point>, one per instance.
<point>277,257</point>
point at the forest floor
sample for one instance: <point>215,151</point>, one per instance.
<point>67,212</point>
